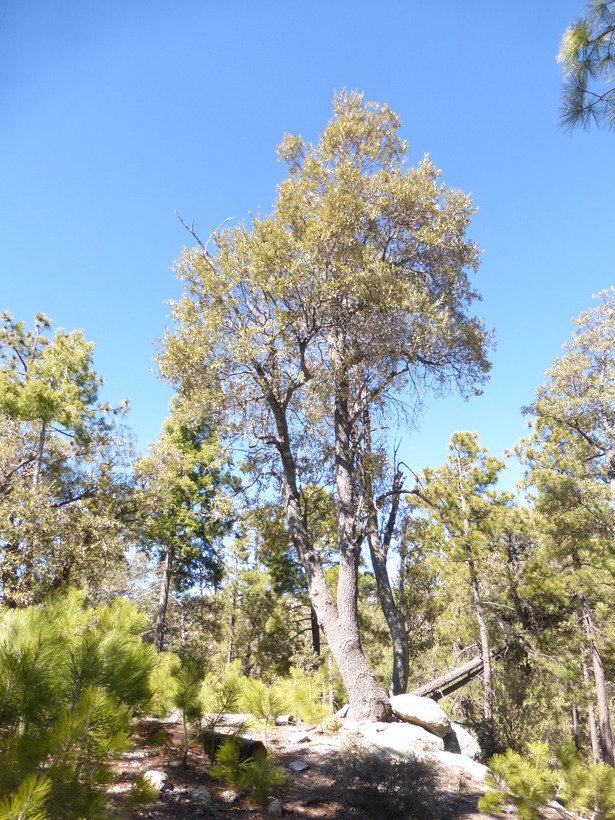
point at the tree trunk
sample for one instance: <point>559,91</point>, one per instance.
<point>485,647</point>
<point>339,623</point>
<point>394,617</point>
<point>378,550</point>
<point>315,627</point>
<point>163,599</point>
<point>576,734</point>
<point>39,456</point>
<point>604,715</point>
<point>593,730</point>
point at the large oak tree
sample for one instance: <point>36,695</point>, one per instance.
<point>353,297</point>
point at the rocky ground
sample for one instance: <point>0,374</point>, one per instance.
<point>326,789</point>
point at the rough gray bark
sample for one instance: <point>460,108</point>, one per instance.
<point>602,700</point>
<point>315,629</point>
<point>378,548</point>
<point>591,719</point>
<point>339,623</point>
<point>163,599</point>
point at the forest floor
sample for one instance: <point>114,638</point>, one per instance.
<point>315,794</point>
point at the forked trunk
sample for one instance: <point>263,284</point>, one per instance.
<point>367,700</point>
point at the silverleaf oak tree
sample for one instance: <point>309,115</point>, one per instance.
<point>353,296</point>
<point>587,55</point>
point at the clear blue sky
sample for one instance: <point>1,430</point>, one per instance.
<point>114,114</point>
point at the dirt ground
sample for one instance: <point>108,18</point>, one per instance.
<point>314,793</point>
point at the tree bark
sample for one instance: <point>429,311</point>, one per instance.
<point>367,700</point>
<point>591,719</point>
<point>315,627</point>
<point>378,551</point>
<point>163,599</point>
<point>604,715</point>
<point>484,645</point>
<point>576,734</point>
<point>480,617</point>
<point>39,456</point>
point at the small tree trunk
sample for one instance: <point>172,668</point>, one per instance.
<point>485,649</point>
<point>331,697</point>
<point>39,456</point>
<point>593,730</point>
<point>604,715</point>
<point>378,550</point>
<point>394,618</point>
<point>480,618</point>
<point>163,599</point>
<point>576,735</point>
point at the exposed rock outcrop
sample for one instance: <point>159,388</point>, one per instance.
<point>460,741</point>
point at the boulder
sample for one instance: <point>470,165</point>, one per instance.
<point>465,764</point>
<point>423,712</point>
<point>156,778</point>
<point>201,795</point>
<point>274,807</point>
<point>404,740</point>
<point>460,741</point>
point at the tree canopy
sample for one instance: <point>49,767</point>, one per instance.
<point>352,297</point>
<point>587,55</point>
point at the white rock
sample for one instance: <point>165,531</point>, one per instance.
<point>460,741</point>
<point>466,764</point>
<point>404,740</point>
<point>424,712</point>
<point>202,795</point>
<point>274,807</point>
<point>298,766</point>
<point>156,778</point>
<point>341,713</point>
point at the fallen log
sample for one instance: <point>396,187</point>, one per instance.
<point>452,681</point>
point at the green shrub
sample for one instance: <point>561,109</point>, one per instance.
<point>188,677</point>
<point>257,775</point>
<point>524,781</point>
<point>71,676</point>
<point>529,782</point>
<point>265,702</point>
<point>141,791</point>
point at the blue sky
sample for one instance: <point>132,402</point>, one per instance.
<point>114,114</point>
